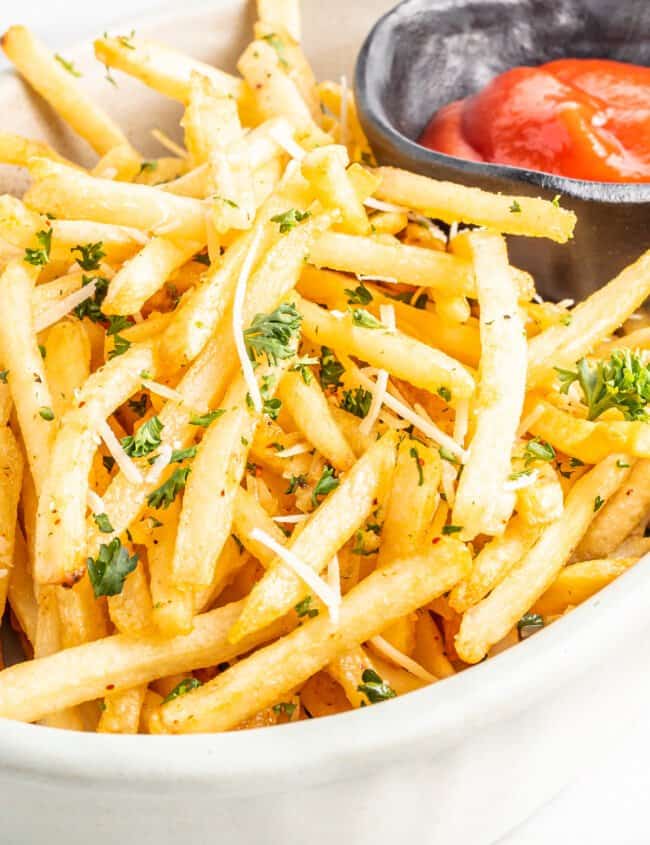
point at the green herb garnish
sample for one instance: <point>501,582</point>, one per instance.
<point>325,484</point>
<point>621,382</point>
<point>163,496</point>
<point>109,570</point>
<point>273,334</point>
<point>145,439</point>
<point>290,219</point>
<point>374,688</point>
<point>90,255</point>
<point>39,257</point>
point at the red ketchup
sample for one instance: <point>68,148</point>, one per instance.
<point>583,118</point>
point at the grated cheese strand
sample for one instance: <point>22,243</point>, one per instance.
<point>396,656</point>
<point>522,482</point>
<point>292,451</point>
<point>379,205</point>
<point>63,306</point>
<point>291,518</point>
<point>238,321</point>
<point>320,587</point>
<point>284,138</point>
<point>124,462</point>
<point>160,464</point>
<point>95,502</point>
<point>162,390</point>
<point>388,280</point>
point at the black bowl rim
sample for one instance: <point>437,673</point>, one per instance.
<point>372,113</point>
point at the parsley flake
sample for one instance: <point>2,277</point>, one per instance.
<point>109,570</point>
<point>331,369</point>
<point>273,334</point>
<point>359,296</point>
<point>103,523</point>
<point>90,255</point>
<point>69,66</point>
<point>529,624</point>
<point>163,496</point>
<point>40,257</point>
<point>145,439</point>
<point>204,420</point>
<point>365,320</point>
<point>290,219</point>
<point>185,686</point>
<point>374,687</point>
<point>621,382</point>
<point>357,401</point>
<point>325,484</point>
<point>304,608</point>
<point>413,452</point>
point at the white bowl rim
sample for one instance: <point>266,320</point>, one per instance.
<point>267,760</point>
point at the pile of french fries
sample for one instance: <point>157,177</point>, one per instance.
<point>283,433</point>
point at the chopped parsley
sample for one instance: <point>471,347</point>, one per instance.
<point>365,320</point>
<point>515,208</point>
<point>622,464</point>
<point>375,688</point>
<point>163,496</point>
<point>302,366</point>
<point>180,455</point>
<point>272,334</point>
<point>90,255</point>
<point>304,608</point>
<point>284,708</point>
<point>621,382</point>
<point>139,406</point>
<point>117,323</point>
<point>147,167</point>
<point>121,345</point>
<point>204,420</point>
<point>202,258</point>
<point>103,523</point>
<point>46,413</point>
<point>3,376</point>
<point>290,219</point>
<point>91,307</point>
<point>598,503</point>
<point>331,369</point>
<point>125,40</point>
<point>295,482</point>
<point>451,529</point>
<point>413,452</point>
<point>529,624</point>
<point>444,393</point>
<point>279,46</point>
<point>357,401</point>
<point>145,439</point>
<point>359,295</point>
<point>69,66</point>
<point>185,686</point>
<point>108,462</point>
<point>108,571</point>
<point>325,484</point>
<point>39,257</point>
<point>538,450</point>
<point>446,455</point>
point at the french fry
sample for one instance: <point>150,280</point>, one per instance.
<point>131,610</point>
<point>456,203</point>
<point>493,563</point>
<point>627,508</point>
<point>30,691</point>
<point>399,354</point>
<point>322,695</point>
<point>410,265</point>
<point>541,502</point>
<point>172,609</point>
<point>146,273</point>
<point>59,88</point>
<point>14,149</point>
<point>331,526</point>
<point>161,68</point>
<point>486,623</point>
<point>281,14</point>
<point>21,589</point>
<point>83,618</point>
<point>598,316</point>
<point>347,669</point>
<point>412,501</point>
<point>211,121</point>
<point>430,648</point>
<point>68,193</point>
<point>460,341</point>
<point>265,676</point>
<point>61,524</point>
<point>121,713</point>
<point>483,505</point>
<point>11,472</point>
<point>324,168</point>
<point>578,582</point>
<point>311,412</point>
<point>588,441</point>
<point>20,355</point>
<point>121,163</point>
<point>67,362</point>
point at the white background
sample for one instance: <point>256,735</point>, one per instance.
<point>608,805</point>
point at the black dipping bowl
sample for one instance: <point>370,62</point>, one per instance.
<point>425,53</point>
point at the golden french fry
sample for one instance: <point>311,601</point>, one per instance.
<point>578,582</point>
<point>281,14</point>
<point>483,505</point>
<point>311,412</point>
<point>399,354</point>
<point>430,648</point>
<point>67,362</point>
<point>592,320</point>
<point>21,589</point>
<point>172,609</point>
<point>29,691</point>
<point>412,501</point>
<point>121,713</point>
<point>347,669</point>
<point>324,168</point>
<point>21,357</point>
<point>330,527</point>
<point>11,472</point>
<point>627,508</point>
<point>161,68</point>
<point>266,675</point>
<point>68,193</point>
<point>121,163</point>
<point>486,623</point>
<point>14,149</point>
<point>410,265</point>
<point>493,563</point>
<point>588,441</point>
<point>59,88</point>
<point>146,273</point>
<point>543,501</point>
<point>61,524</point>
<point>457,203</point>
<point>131,610</point>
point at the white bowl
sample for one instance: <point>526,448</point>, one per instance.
<point>463,761</point>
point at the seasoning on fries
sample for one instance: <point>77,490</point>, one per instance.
<point>284,434</point>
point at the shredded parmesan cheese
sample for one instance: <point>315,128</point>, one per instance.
<point>291,518</point>
<point>165,141</point>
<point>284,138</point>
<point>292,451</point>
<point>320,587</point>
<point>434,230</point>
<point>59,309</point>
<point>461,423</point>
<point>398,657</point>
<point>95,502</point>
<point>160,464</point>
<point>238,321</point>
<point>389,280</point>
<point>124,462</point>
<point>162,390</point>
<point>378,205</point>
<point>334,577</point>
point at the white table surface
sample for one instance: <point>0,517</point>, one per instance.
<point>608,804</point>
